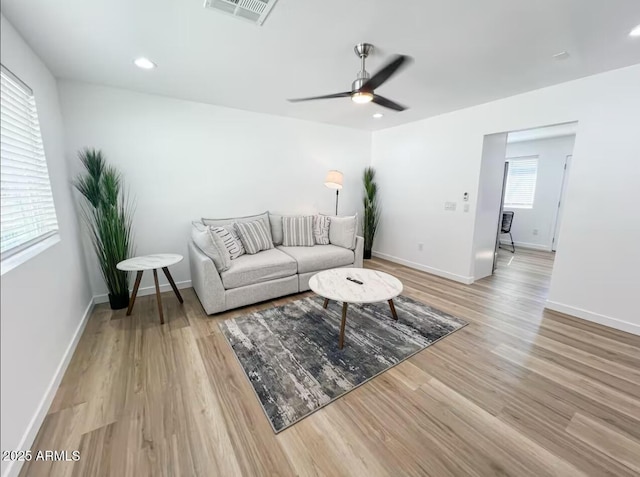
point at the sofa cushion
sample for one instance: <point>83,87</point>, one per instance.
<point>255,236</point>
<point>232,220</point>
<point>211,245</point>
<point>298,231</point>
<point>261,267</point>
<point>276,228</point>
<point>319,257</point>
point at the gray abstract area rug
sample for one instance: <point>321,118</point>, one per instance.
<point>291,357</point>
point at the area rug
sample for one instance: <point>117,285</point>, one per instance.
<point>291,357</point>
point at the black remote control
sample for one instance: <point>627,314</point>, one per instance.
<point>354,280</point>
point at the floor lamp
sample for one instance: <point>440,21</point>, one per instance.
<point>334,181</point>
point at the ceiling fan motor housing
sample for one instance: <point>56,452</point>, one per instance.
<point>361,79</point>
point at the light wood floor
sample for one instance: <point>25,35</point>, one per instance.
<point>520,391</point>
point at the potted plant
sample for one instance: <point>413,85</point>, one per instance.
<point>108,214</point>
<point>371,215</point>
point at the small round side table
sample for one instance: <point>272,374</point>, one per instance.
<point>151,262</point>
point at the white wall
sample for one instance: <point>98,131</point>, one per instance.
<point>423,164</point>
<point>552,154</point>
<point>44,299</point>
<point>185,160</point>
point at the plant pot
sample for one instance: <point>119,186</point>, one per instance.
<point>367,254</point>
<point>118,302</point>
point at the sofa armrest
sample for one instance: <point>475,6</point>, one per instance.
<point>359,252</point>
<point>206,281</point>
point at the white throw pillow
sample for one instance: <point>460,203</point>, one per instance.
<point>211,245</point>
<point>342,231</point>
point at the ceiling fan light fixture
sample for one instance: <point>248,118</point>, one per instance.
<point>362,97</point>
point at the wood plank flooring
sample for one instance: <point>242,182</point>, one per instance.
<point>520,392</point>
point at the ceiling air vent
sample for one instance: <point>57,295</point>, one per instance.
<point>255,11</point>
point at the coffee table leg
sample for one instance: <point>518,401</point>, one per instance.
<point>136,285</point>
<point>173,284</point>
<point>326,302</point>
<point>342,325</point>
<point>155,278</point>
<point>393,310</point>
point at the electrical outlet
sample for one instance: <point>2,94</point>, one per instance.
<point>420,246</point>
<point>466,207</point>
<point>535,231</point>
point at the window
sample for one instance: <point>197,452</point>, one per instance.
<point>28,216</point>
<point>521,182</point>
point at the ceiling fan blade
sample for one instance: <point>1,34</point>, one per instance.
<point>326,96</point>
<point>387,72</point>
<point>387,103</point>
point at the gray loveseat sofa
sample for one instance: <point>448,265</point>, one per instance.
<point>267,274</point>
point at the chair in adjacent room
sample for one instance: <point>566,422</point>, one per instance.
<point>507,221</point>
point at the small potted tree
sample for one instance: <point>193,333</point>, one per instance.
<point>108,215</point>
<point>371,215</point>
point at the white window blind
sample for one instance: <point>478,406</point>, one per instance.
<point>521,182</point>
<point>27,209</point>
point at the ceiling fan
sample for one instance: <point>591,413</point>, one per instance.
<point>362,89</point>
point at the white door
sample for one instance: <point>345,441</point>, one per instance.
<point>563,194</point>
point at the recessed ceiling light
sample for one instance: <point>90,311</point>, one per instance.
<point>144,63</point>
<point>635,31</point>
<point>378,115</point>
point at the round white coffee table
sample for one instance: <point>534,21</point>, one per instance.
<point>151,262</point>
<point>338,285</point>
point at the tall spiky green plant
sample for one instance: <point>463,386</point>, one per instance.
<point>371,216</point>
<point>108,214</point>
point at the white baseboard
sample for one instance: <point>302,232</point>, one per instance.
<point>104,298</point>
<point>594,317</point>
<point>36,421</point>
<point>532,246</point>
<point>424,268</point>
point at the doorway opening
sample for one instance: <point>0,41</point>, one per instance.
<point>523,185</point>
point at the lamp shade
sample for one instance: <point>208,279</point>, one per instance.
<point>333,180</point>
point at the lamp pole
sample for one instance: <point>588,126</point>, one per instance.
<point>337,193</point>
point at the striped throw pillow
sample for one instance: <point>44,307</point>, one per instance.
<point>255,236</point>
<point>321,229</point>
<point>230,239</point>
<point>297,231</point>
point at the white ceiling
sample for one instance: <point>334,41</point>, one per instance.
<point>547,132</point>
<point>466,52</point>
